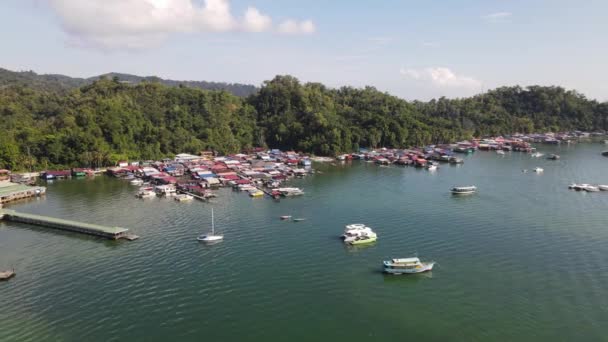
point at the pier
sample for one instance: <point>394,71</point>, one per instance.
<point>12,192</point>
<point>113,233</point>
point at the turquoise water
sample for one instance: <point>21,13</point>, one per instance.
<point>524,259</point>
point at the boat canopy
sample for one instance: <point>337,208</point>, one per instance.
<point>406,260</point>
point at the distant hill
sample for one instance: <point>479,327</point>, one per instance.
<point>62,83</point>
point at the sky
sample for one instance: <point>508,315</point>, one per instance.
<point>414,49</point>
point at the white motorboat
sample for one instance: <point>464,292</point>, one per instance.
<point>591,188</point>
<point>463,190</point>
<point>147,192</point>
<point>137,181</point>
<point>501,152</point>
<point>603,187</point>
<point>407,266</point>
<point>432,167</point>
<point>288,192</point>
<point>538,169</point>
<point>183,198</point>
<point>536,155</point>
<point>211,237</point>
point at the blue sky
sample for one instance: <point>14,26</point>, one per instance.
<point>412,49</point>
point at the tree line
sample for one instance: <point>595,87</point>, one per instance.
<point>103,122</point>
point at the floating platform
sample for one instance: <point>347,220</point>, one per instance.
<point>113,233</point>
<point>14,192</point>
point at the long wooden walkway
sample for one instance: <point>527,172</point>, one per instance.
<point>113,233</point>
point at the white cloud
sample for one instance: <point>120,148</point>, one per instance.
<point>291,26</point>
<point>497,17</point>
<point>144,23</point>
<point>441,77</point>
<point>256,21</point>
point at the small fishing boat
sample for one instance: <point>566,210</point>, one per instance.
<point>407,266</point>
<point>256,193</point>
<point>212,237</point>
<point>538,169</point>
<point>137,181</point>
<point>432,167</point>
<point>500,152</point>
<point>536,155</point>
<point>6,275</point>
<point>183,198</point>
<point>553,157</point>
<point>299,219</point>
<point>464,190</point>
<point>285,217</point>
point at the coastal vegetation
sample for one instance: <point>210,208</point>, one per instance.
<point>107,120</point>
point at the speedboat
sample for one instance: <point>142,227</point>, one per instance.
<point>432,167</point>
<point>591,188</point>
<point>538,169</point>
<point>536,155</point>
<point>407,266</point>
<point>579,187</point>
<point>286,217</point>
<point>553,157</point>
<point>463,190</point>
<point>210,237</point>
<point>287,192</point>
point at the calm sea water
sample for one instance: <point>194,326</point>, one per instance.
<point>524,259</point>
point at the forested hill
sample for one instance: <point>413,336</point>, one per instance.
<point>108,120</point>
<point>62,84</point>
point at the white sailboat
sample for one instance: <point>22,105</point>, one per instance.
<point>211,237</point>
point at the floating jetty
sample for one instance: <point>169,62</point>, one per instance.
<point>12,192</point>
<point>113,233</point>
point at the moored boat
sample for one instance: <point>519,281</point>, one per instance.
<point>407,266</point>
<point>183,198</point>
<point>211,237</point>
<point>147,192</point>
<point>137,181</point>
<point>363,240</point>
<point>603,187</point>
<point>285,217</point>
<point>538,169</point>
<point>464,190</point>
<point>553,157</point>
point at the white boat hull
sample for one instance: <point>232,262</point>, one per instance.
<point>424,267</point>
